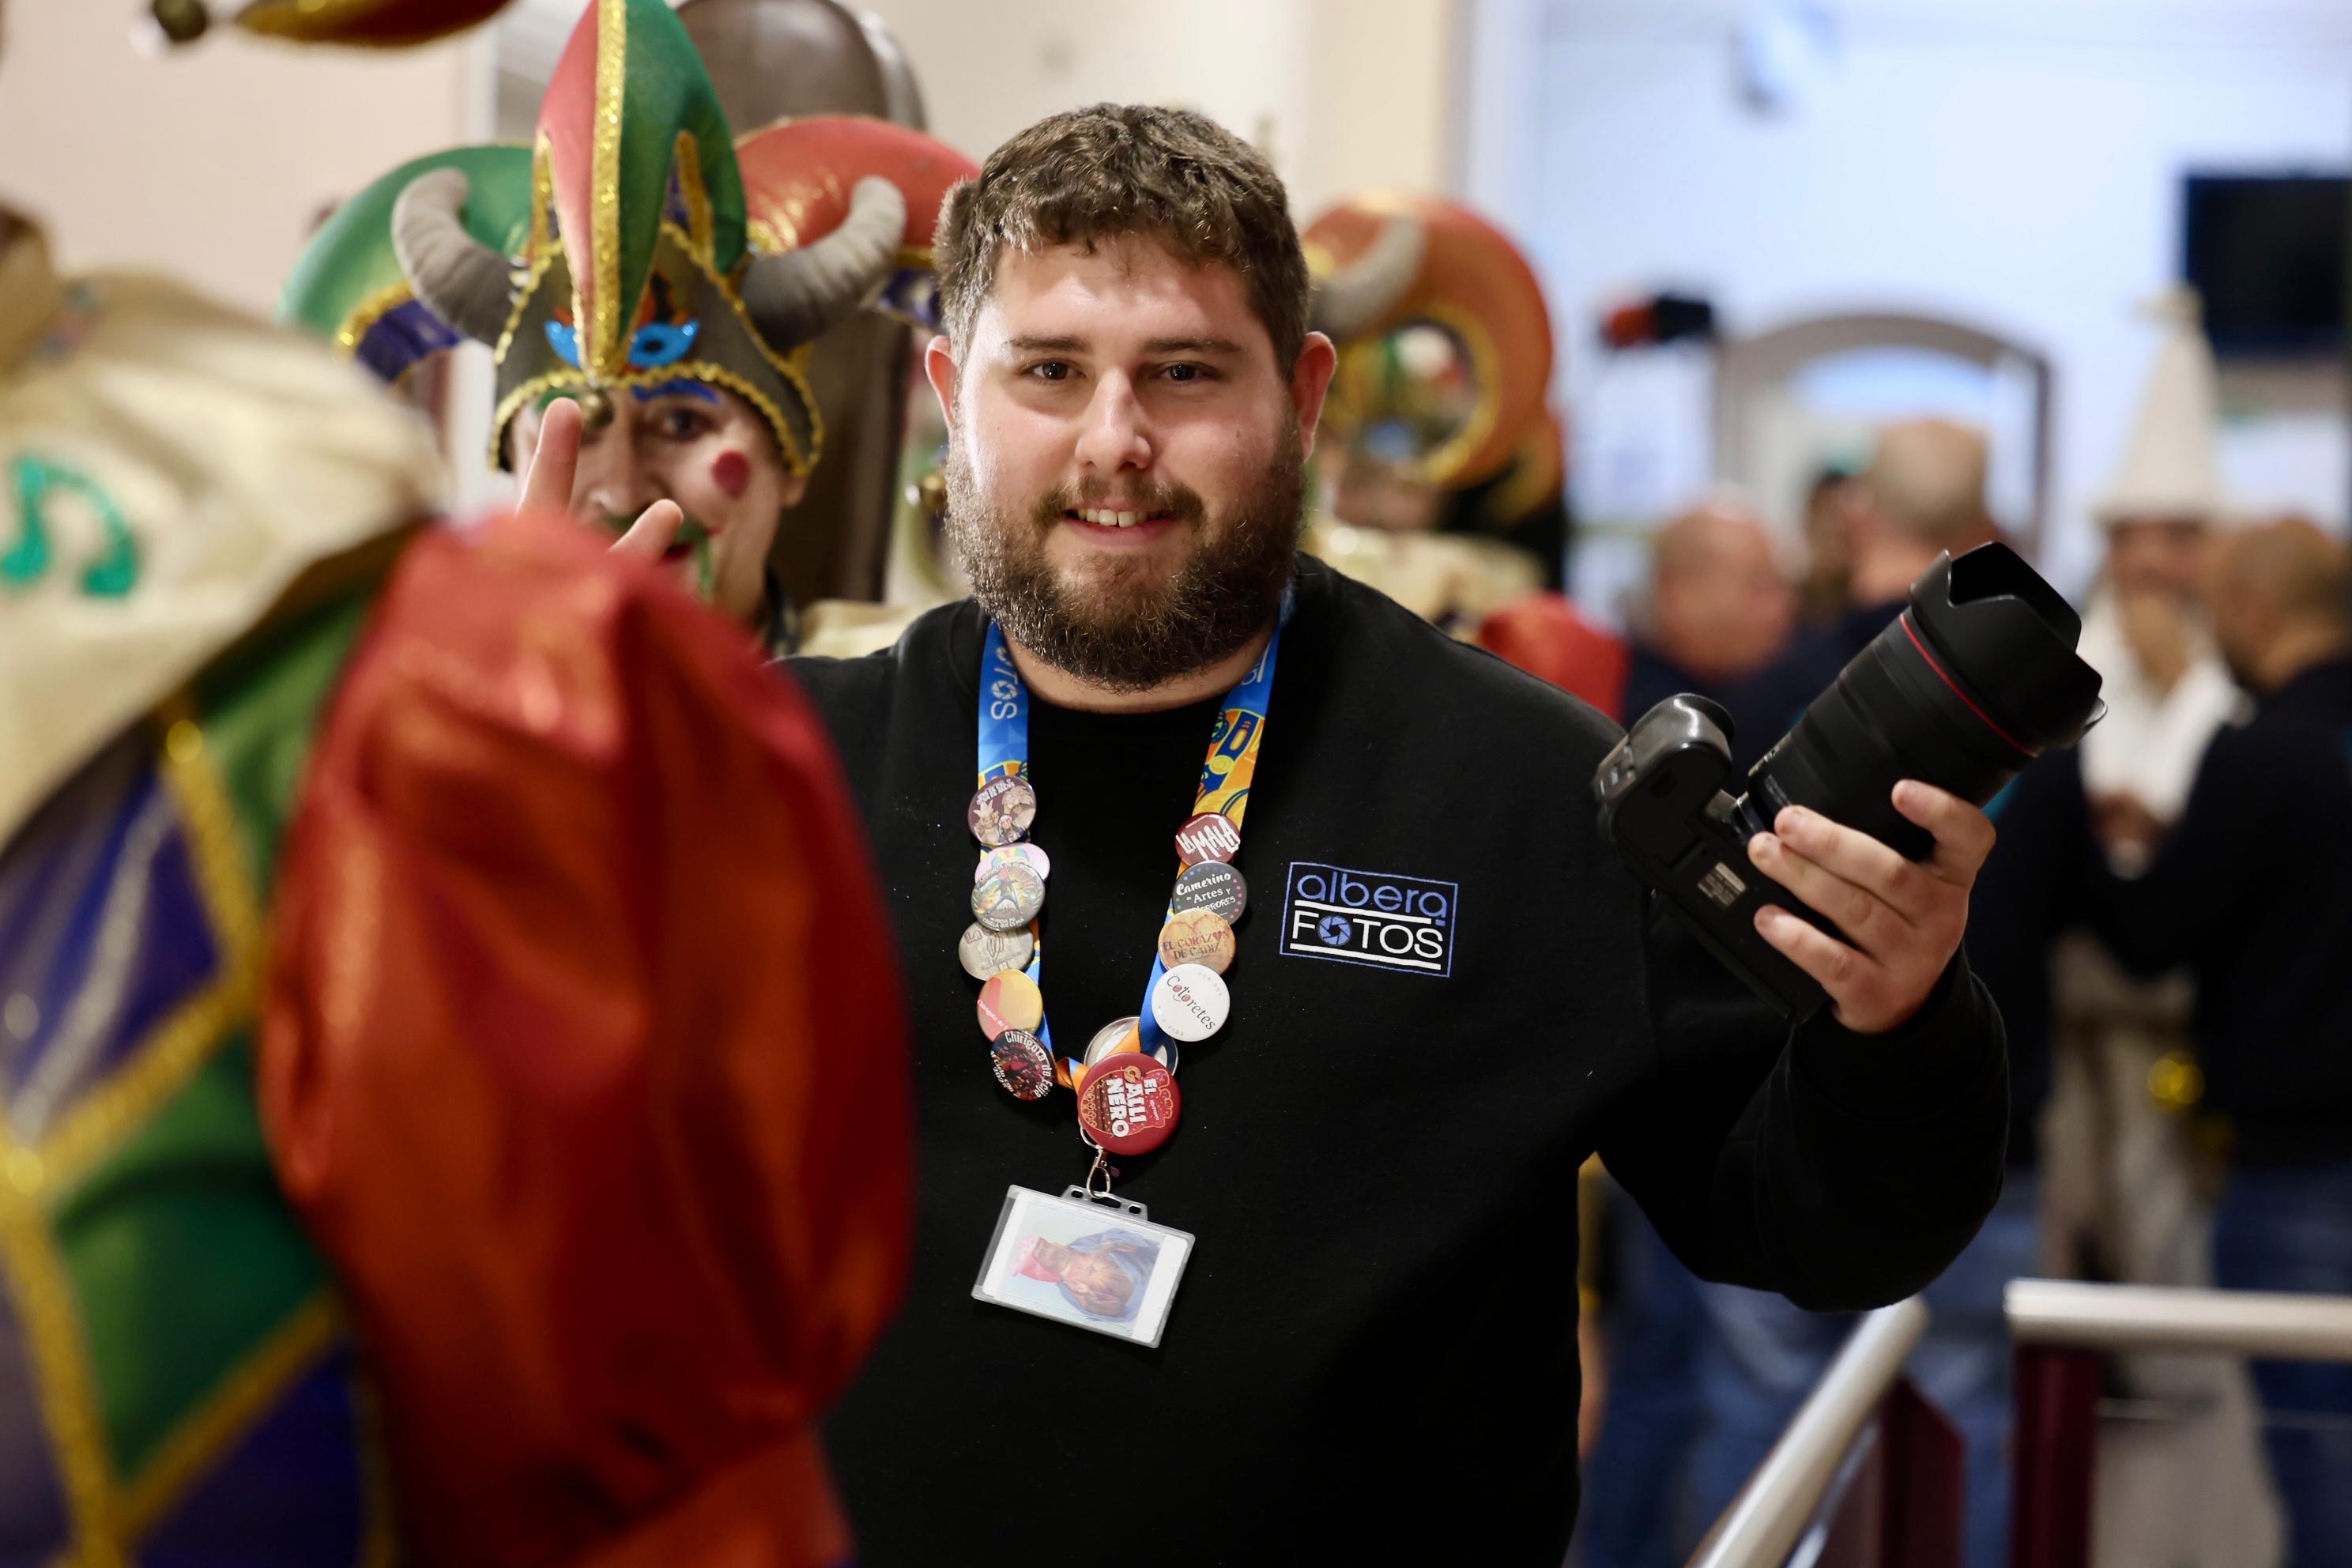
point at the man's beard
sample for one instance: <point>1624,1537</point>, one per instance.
<point>1125,628</point>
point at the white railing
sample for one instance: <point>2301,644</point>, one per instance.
<point>2160,1317</point>
<point>1765,1523</point>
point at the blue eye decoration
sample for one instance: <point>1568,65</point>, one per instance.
<point>660,343</point>
<point>565,341</point>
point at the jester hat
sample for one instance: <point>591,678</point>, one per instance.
<point>634,246</point>
<point>1384,259</point>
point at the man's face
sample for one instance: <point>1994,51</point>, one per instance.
<point>2157,556</point>
<point>1726,608</point>
<point>708,450</point>
<point>1126,459</point>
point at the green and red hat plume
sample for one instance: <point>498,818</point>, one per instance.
<point>622,253</point>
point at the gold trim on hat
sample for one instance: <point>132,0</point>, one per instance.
<point>369,311</point>
<point>718,375</point>
<point>685,157</point>
<point>605,352</point>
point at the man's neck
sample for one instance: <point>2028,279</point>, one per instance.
<point>2299,648</point>
<point>1063,690</point>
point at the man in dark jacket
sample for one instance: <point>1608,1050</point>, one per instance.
<point>1445,992</point>
<point>2252,889</point>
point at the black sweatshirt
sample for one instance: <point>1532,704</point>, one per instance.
<point>2253,891</point>
<point>1373,1350</point>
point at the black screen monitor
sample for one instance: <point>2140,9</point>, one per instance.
<point>2268,255</point>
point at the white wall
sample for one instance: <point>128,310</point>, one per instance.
<point>2013,163</point>
<point>209,163</point>
<point>1344,94</point>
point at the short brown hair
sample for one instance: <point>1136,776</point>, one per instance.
<point>1089,175</point>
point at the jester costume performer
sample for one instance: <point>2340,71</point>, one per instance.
<point>1446,487</point>
<point>637,251</point>
<point>434,1120</point>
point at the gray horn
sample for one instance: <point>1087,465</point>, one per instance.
<point>798,294</point>
<point>1353,299</point>
<point>460,280</point>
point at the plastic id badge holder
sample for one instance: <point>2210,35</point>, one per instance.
<point>1098,1265</point>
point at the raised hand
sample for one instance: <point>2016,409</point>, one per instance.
<point>554,463</point>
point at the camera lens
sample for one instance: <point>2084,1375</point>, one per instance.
<point>1972,681</point>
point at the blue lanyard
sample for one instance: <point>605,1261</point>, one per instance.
<point>1226,776</point>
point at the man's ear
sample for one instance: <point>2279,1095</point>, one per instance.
<point>1310,378</point>
<point>939,366</point>
<point>795,488</point>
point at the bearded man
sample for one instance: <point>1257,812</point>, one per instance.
<point>1444,995</point>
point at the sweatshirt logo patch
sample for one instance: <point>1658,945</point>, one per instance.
<point>1377,918</point>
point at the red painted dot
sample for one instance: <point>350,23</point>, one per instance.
<point>731,472</point>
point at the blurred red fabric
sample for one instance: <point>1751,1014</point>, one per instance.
<point>584,1056</point>
<point>1544,635</point>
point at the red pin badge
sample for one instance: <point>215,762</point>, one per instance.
<point>1211,836</point>
<point>1127,1103</point>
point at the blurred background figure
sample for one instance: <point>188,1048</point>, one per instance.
<point>2246,886</point>
<point>1718,609</point>
<point>2144,631</point>
<point>2132,1166</point>
<point>1828,543</point>
<point>385,905</point>
<point>1719,606</point>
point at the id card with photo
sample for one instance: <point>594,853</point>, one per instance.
<point>1100,1266</point>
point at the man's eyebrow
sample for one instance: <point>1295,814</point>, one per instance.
<point>1034,345</point>
<point>1192,346</point>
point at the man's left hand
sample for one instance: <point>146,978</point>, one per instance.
<point>1904,919</point>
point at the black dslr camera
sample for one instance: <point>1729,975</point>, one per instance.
<point>1972,681</point>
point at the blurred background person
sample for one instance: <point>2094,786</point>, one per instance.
<point>2144,630</point>
<point>367,932</point>
<point>2131,1169</point>
<point>1829,542</point>
<point>1718,608</point>
<point>2252,888</point>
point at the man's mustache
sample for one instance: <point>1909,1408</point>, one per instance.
<point>1176,500</point>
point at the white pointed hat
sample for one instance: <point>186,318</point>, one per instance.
<point>2172,467</point>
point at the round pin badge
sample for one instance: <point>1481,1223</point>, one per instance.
<point>1021,1065</point>
<point>1010,1001</point>
<point>1003,811</point>
<point>1190,1002</point>
<point>1028,855</point>
<point>1197,936</point>
<point>1213,886</point>
<point>1129,1103</point>
<point>1118,1035</point>
<point>1211,836</point>
<point>1008,898</point>
<point>986,954</point>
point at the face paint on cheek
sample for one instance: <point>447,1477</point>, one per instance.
<point>731,472</point>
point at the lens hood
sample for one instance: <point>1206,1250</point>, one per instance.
<point>2005,641</point>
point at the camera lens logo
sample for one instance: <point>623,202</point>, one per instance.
<point>1380,920</point>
